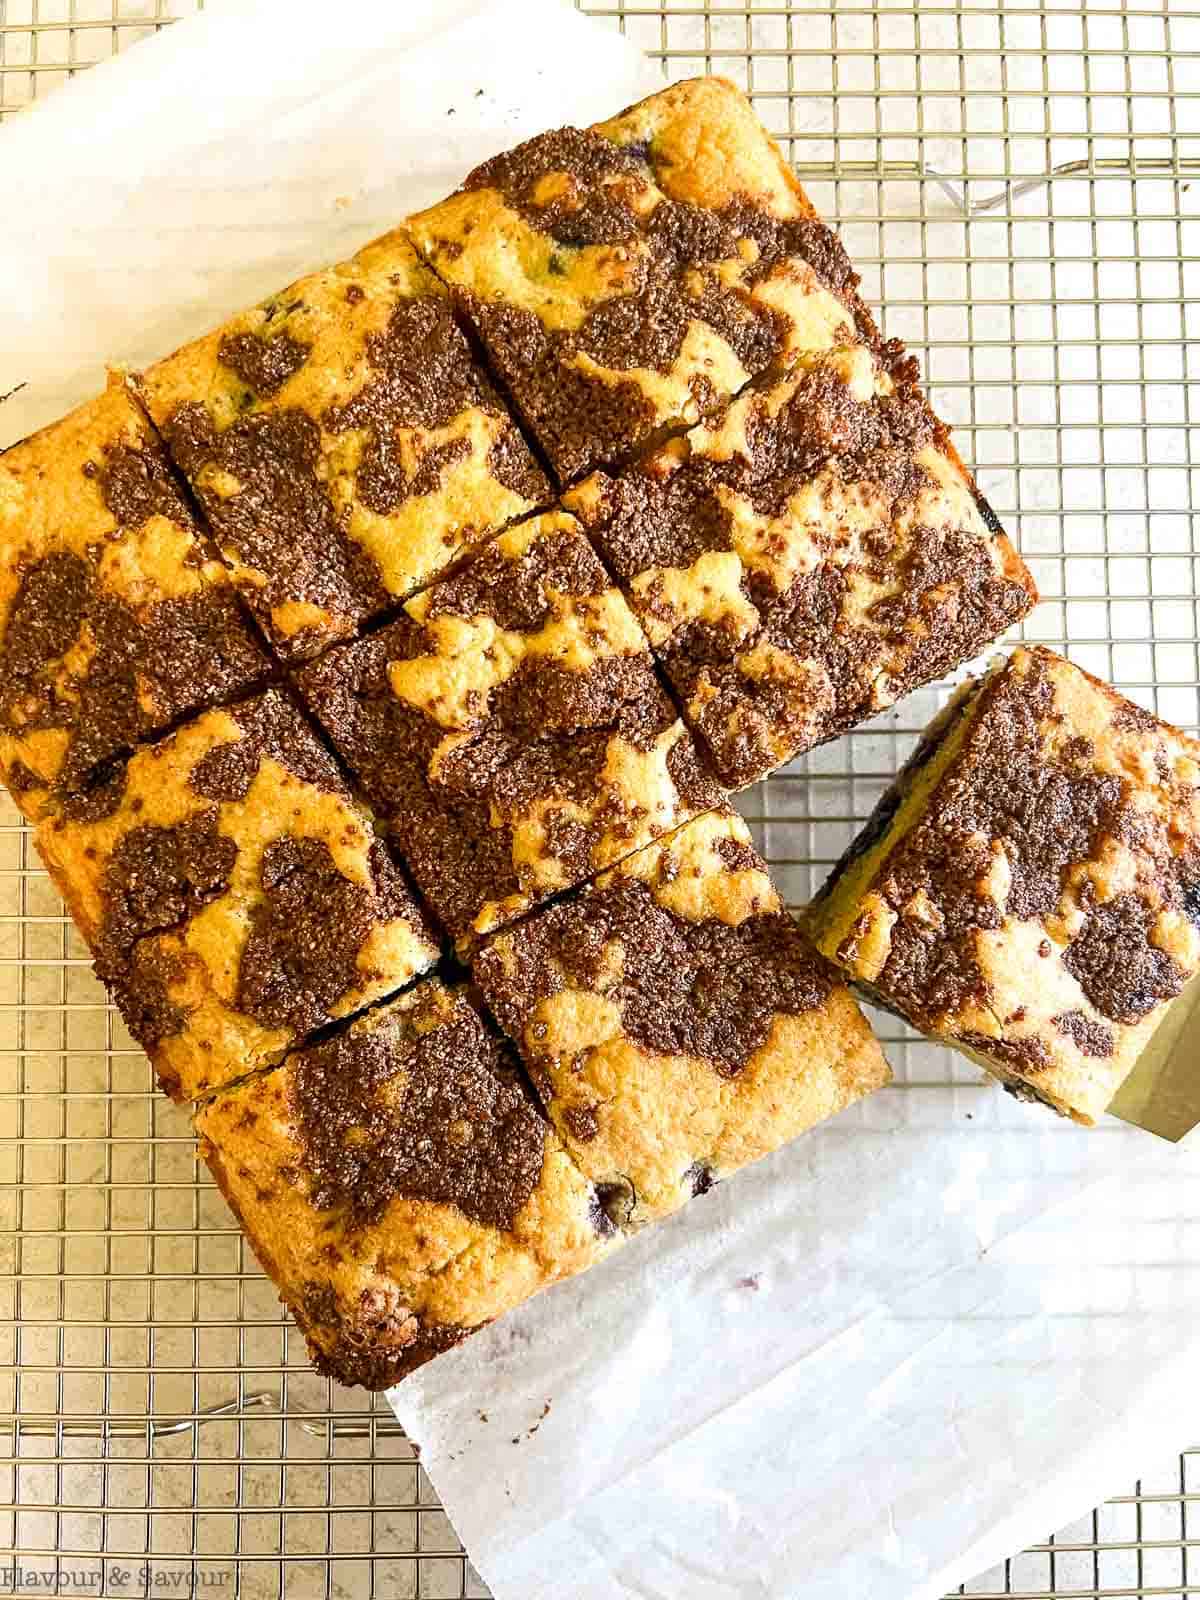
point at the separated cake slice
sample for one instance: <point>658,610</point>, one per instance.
<point>676,1021</point>
<point>511,728</point>
<point>1029,889</point>
<point>115,619</point>
<point>234,894</point>
<point>344,444</point>
<point>814,553</point>
<point>399,1185</point>
<point>625,278</point>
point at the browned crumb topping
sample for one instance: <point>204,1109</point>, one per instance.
<point>149,663</point>
<point>1091,1038</point>
<point>593,212</point>
<point>423,377</point>
<point>281,521</point>
<point>309,930</point>
<point>22,779</point>
<point>381,1344</point>
<point>1019,1055</point>
<point>542,735</point>
<point>158,878</point>
<point>581,1122</point>
<point>1048,815</point>
<point>512,464</point>
<point>436,1115</point>
<point>137,485</point>
<point>950,603</point>
<point>577,418</point>
<point>311,924</point>
<point>704,989</point>
<point>580,419</point>
<point>739,856</point>
<point>823,423</point>
<point>264,364</point>
<point>515,593</point>
<point>546,737</point>
<point>1117,967</point>
<point>670,522</point>
<point>141,989</point>
<point>270,727</point>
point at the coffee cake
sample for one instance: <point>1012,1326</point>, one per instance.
<point>344,444</point>
<point>675,1021</point>
<point>627,277</point>
<point>511,728</point>
<point>399,1186</point>
<point>234,895</point>
<point>1029,889</point>
<point>803,561</point>
<point>115,618</point>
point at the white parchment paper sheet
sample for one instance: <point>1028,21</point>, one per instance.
<point>863,1370</point>
<point>879,1361</point>
<point>182,181</point>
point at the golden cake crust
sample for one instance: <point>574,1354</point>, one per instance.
<point>622,285</point>
<point>399,1186</point>
<point>511,728</point>
<point>704,144</point>
<point>1041,906</point>
<point>343,442</point>
<point>706,148</point>
<point>115,619</point>
<point>805,559</point>
<point>675,1020</point>
<point>234,895</point>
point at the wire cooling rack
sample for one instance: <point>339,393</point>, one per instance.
<point>1016,183</point>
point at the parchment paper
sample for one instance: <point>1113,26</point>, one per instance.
<point>877,1362</point>
<point>864,1370</point>
<point>208,167</point>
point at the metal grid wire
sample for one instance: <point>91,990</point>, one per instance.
<point>1053,321</point>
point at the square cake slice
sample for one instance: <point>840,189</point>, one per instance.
<point>625,278</point>
<point>511,728</point>
<point>400,1186</point>
<point>1029,890</point>
<point>234,894</point>
<point>811,555</point>
<point>115,618</point>
<point>676,1021</point>
<point>344,444</point>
